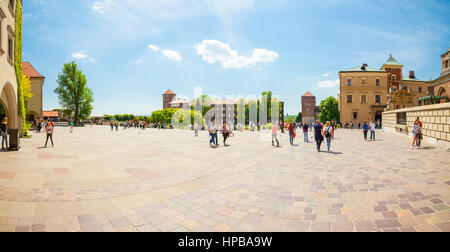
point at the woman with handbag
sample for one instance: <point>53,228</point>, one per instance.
<point>49,130</point>
<point>328,132</point>
<point>415,131</point>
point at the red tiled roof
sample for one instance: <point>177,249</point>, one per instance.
<point>29,71</point>
<point>169,92</point>
<point>50,113</point>
<point>308,94</point>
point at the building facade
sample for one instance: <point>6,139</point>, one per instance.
<point>8,81</point>
<point>363,94</point>
<point>308,108</point>
<point>366,92</point>
<point>35,106</point>
<point>441,85</point>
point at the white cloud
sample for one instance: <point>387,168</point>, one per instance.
<point>213,51</point>
<point>139,61</point>
<point>153,48</point>
<point>172,55</point>
<point>328,84</point>
<point>99,7</point>
<point>78,55</point>
<point>82,56</point>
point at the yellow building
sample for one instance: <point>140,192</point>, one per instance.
<point>363,94</point>
<point>366,92</point>
<point>35,102</point>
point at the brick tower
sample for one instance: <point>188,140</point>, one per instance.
<point>308,108</point>
<point>168,97</point>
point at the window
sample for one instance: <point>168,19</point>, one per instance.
<point>401,118</point>
<point>10,48</point>
<point>363,99</point>
<point>393,78</point>
<point>349,82</point>
<point>378,82</point>
<point>377,98</point>
<point>12,7</point>
<point>420,89</point>
<point>355,115</point>
<point>363,81</point>
<point>349,99</point>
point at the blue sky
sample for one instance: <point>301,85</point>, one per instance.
<point>134,50</point>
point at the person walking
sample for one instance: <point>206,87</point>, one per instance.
<point>4,132</point>
<point>71,126</point>
<point>49,130</point>
<point>225,133</point>
<point>213,134</point>
<point>196,129</point>
<point>372,130</point>
<point>291,133</point>
<point>305,132</point>
<point>328,133</point>
<point>111,124</point>
<point>351,125</point>
<point>365,129</point>
<point>318,134</point>
<point>415,131</point>
<point>274,134</point>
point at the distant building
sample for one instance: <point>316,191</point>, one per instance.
<point>35,102</point>
<point>168,97</point>
<point>309,109</point>
<point>51,115</point>
<point>217,105</point>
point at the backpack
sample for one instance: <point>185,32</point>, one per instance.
<point>327,133</point>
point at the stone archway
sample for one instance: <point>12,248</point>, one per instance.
<point>8,99</point>
<point>442,92</point>
<point>32,115</point>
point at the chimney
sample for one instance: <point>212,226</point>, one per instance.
<point>411,75</point>
<point>364,66</point>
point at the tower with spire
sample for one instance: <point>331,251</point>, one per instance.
<point>394,68</point>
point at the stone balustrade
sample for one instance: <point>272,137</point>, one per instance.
<point>435,119</point>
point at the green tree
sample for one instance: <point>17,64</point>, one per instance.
<point>268,94</point>
<point>299,117</point>
<point>329,110</point>
<point>73,92</point>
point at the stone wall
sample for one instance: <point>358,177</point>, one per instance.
<point>435,119</point>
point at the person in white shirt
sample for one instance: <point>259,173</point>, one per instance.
<point>372,130</point>
<point>328,133</point>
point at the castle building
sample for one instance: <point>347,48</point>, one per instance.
<point>8,81</point>
<point>37,82</point>
<point>441,85</point>
<point>366,92</point>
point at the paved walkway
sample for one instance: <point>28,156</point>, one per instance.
<point>132,180</point>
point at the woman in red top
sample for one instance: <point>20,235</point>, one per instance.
<point>291,133</point>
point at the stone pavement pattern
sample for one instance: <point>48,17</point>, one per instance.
<point>132,180</point>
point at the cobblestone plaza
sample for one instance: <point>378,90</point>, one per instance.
<point>167,180</point>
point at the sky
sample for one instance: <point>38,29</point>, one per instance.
<point>132,51</point>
